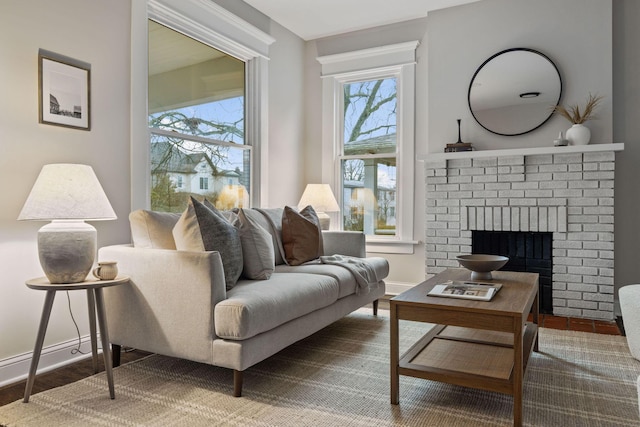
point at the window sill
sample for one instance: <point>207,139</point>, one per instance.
<point>391,246</point>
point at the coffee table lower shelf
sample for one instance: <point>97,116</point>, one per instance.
<point>468,357</point>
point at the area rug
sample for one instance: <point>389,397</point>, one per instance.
<point>340,377</point>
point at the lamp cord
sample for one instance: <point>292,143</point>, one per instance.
<point>77,349</point>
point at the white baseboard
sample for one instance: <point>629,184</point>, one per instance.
<point>16,368</point>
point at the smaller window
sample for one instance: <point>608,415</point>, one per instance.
<point>204,183</point>
<point>179,182</point>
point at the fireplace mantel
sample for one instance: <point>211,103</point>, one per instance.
<point>591,148</point>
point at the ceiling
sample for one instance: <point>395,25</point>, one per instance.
<point>313,19</point>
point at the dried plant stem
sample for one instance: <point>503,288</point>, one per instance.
<point>573,114</point>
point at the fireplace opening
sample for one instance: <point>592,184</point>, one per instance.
<point>530,252</point>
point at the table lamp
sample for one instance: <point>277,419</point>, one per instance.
<point>67,195</point>
<point>322,199</point>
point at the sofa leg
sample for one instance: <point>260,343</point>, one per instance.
<point>115,355</point>
<point>237,383</point>
<point>375,307</point>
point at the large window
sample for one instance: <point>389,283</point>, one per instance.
<point>368,158</point>
<point>368,133</point>
<point>197,123</point>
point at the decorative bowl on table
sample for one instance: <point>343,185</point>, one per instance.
<point>481,265</point>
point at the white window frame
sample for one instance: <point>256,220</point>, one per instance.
<point>210,23</point>
<point>397,61</point>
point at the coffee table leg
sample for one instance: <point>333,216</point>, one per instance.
<point>42,330</point>
<point>518,373</point>
<point>104,337</point>
<point>395,357</point>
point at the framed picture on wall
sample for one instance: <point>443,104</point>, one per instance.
<point>63,91</point>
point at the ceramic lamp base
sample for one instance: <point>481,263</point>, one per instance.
<point>67,250</point>
<point>325,220</point>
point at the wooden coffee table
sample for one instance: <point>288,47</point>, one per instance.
<point>478,344</point>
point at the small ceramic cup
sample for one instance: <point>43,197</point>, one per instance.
<point>106,270</point>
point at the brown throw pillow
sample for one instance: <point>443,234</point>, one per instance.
<point>301,235</point>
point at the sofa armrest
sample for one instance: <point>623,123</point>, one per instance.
<point>168,305</point>
<point>349,243</point>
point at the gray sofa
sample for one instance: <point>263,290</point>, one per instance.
<point>177,305</point>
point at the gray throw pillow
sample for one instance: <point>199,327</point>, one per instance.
<point>301,235</point>
<point>257,249</point>
<point>201,228</point>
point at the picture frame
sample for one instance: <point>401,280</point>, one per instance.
<point>64,91</point>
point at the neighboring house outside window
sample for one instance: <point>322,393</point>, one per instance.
<point>368,132</point>
<point>197,123</point>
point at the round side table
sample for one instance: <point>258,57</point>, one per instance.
<point>96,303</point>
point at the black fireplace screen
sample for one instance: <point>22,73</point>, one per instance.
<point>527,251</point>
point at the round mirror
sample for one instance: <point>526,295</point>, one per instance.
<point>514,91</point>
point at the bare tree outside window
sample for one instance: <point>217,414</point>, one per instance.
<point>368,161</point>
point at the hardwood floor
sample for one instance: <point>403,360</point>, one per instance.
<point>84,368</point>
<point>61,376</point>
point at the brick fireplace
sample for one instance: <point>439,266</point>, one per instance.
<point>565,191</point>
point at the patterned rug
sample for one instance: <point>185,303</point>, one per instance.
<point>340,377</point>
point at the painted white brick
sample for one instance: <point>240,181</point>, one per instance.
<point>485,162</point>
<point>554,184</point>
<point>525,185</point>
<point>568,176</point>
<point>488,218</point>
<point>567,158</point>
<point>599,175</point>
<point>485,178</point>
<point>506,218</point>
<point>603,156</point>
<point>497,218</point>
<point>557,167</point>
<point>511,178</point>
<point>458,163</point>
<point>511,160</point>
<point>515,218</point>
<point>524,219</point>
<point>539,159</point>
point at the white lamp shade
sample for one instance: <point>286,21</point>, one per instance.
<point>67,192</point>
<point>320,197</point>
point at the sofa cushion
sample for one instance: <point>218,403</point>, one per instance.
<point>346,280</point>
<point>151,229</point>
<point>254,307</point>
<point>301,235</point>
<point>257,248</point>
<point>201,228</point>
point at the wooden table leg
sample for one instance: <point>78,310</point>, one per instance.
<point>395,356</point>
<point>42,330</point>
<point>518,371</point>
<point>104,337</point>
<point>91,302</point>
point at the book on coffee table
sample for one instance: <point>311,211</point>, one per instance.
<point>480,291</point>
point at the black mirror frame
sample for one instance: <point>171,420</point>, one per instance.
<point>502,53</point>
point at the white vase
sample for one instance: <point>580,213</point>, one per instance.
<point>578,134</point>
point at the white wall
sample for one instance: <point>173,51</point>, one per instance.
<point>575,34</point>
<point>95,32</point>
